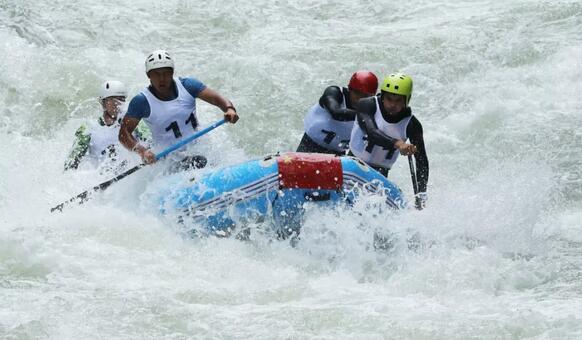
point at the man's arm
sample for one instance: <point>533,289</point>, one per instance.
<point>365,116</point>
<point>142,132</point>
<point>415,133</point>
<point>212,97</point>
<point>126,138</point>
<point>80,148</point>
<point>331,100</point>
<point>137,109</point>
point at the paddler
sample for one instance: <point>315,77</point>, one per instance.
<point>329,123</point>
<point>384,125</point>
<point>98,141</point>
<point>168,106</point>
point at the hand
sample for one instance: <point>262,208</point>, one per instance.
<point>231,116</point>
<point>147,156</point>
<point>420,200</point>
<point>405,148</point>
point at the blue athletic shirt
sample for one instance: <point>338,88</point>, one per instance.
<point>140,108</point>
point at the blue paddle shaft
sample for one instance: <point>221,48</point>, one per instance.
<point>189,139</point>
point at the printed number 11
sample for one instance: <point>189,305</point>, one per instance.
<point>174,125</point>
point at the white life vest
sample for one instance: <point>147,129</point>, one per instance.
<point>325,131</point>
<point>102,137</point>
<point>105,151</point>
<point>376,155</point>
<point>173,120</point>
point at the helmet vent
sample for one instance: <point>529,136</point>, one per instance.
<point>396,87</point>
<point>107,86</point>
<point>158,59</point>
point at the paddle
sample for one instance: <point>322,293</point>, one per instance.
<point>82,197</point>
<point>417,202</point>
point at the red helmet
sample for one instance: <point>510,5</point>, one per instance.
<point>364,81</point>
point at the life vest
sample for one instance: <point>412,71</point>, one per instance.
<point>327,132</point>
<point>173,120</point>
<point>376,155</point>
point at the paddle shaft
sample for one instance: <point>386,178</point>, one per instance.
<point>190,139</point>
<point>83,197</point>
<point>417,200</point>
<point>413,174</point>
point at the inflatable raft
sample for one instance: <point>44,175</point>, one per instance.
<point>276,188</point>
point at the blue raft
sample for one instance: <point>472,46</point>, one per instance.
<point>276,188</point>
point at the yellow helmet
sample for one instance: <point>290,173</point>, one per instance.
<point>398,83</point>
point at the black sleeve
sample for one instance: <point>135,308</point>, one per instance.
<point>331,100</point>
<point>414,132</point>
<point>366,111</point>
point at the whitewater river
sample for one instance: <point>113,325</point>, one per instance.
<point>497,89</point>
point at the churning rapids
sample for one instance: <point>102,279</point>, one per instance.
<point>497,89</point>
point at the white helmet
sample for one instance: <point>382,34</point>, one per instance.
<point>158,59</point>
<point>112,88</point>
